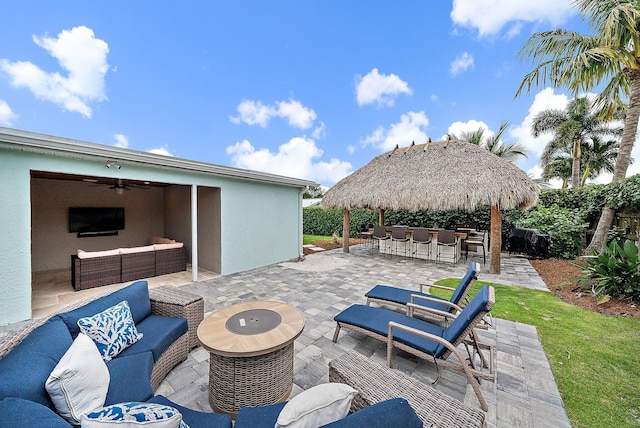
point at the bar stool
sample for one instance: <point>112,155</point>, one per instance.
<point>421,236</point>
<point>399,234</point>
<point>476,239</point>
<point>379,235</point>
<point>447,238</point>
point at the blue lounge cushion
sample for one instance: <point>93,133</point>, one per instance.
<point>377,320</point>
<point>130,378</point>
<point>136,294</point>
<point>18,412</point>
<point>159,332</point>
<point>259,417</point>
<point>393,413</point>
<point>196,419</point>
<point>472,310</point>
<point>402,296</point>
<point>26,368</point>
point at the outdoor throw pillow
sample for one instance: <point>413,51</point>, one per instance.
<point>79,383</point>
<point>112,330</point>
<point>134,415</point>
<point>317,406</point>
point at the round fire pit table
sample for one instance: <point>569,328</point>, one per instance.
<point>251,354</point>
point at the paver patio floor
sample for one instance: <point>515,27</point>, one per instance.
<point>524,394</point>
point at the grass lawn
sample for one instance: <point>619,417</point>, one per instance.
<point>308,239</point>
<point>595,358</point>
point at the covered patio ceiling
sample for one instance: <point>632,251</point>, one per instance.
<point>441,175</point>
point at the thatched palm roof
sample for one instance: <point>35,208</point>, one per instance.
<point>436,175</point>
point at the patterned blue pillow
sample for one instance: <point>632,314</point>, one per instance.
<point>112,330</point>
<point>135,414</point>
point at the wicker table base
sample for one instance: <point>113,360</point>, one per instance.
<point>251,363</point>
<point>251,381</point>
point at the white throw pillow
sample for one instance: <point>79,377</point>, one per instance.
<point>134,415</point>
<point>317,406</point>
<point>79,383</point>
<point>112,330</point>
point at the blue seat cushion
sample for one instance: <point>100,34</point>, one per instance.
<point>377,321</point>
<point>130,378</point>
<point>464,283</point>
<point>24,370</point>
<point>393,413</point>
<point>402,296</point>
<point>259,417</point>
<point>468,314</point>
<point>196,419</point>
<point>136,294</point>
<point>18,412</point>
<point>159,332</point>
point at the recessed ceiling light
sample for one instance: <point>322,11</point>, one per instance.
<point>90,180</point>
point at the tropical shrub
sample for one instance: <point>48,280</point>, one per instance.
<point>614,271</point>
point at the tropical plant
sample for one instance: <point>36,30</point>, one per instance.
<point>614,271</point>
<point>583,62</point>
<point>493,142</point>
<point>560,168</point>
<point>598,157</point>
<point>572,128</point>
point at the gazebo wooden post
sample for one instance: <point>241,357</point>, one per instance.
<point>346,224</point>
<point>381,217</point>
<point>495,242</point>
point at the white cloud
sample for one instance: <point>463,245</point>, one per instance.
<point>380,88</point>
<point>412,127</point>
<point>459,128</point>
<point>81,55</point>
<point>256,113</point>
<point>489,17</point>
<point>319,132</point>
<point>121,141</point>
<point>461,63</point>
<point>544,100</point>
<point>163,150</point>
<point>299,158</point>
<point>351,149</point>
<point>7,116</point>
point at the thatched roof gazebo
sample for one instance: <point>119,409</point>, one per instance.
<point>437,175</point>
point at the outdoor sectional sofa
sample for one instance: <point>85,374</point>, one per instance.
<point>98,268</point>
<point>167,317</point>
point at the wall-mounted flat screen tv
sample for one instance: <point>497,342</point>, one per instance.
<point>95,219</point>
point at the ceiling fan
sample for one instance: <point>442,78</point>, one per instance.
<point>120,186</point>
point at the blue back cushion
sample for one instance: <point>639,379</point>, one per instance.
<point>17,412</point>
<point>158,333</point>
<point>468,314</point>
<point>393,413</point>
<point>136,294</point>
<point>464,283</point>
<point>130,378</point>
<point>24,370</point>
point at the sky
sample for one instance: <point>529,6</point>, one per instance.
<point>306,89</point>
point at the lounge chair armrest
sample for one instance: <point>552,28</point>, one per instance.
<point>394,325</point>
<point>428,286</point>
<point>435,300</point>
<point>411,307</point>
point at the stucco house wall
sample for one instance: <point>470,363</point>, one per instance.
<point>246,218</point>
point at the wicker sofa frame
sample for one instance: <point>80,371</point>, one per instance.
<point>377,383</point>
<point>166,300</point>
<point>105,270</point>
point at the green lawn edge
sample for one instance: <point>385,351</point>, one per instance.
<point>594,358</point>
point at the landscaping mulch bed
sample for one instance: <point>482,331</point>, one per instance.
<point>558,274</point>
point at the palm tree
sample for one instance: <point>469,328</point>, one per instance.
<point>570,127</point>
<point>559,167</point>
<point>582,62</point>
<point>493,143</point>
<point>598,157</point>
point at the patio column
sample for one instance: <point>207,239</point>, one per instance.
<point>495,242</point>
<point>381,217</point>
<point>194,232</point>
<point>345,231</point>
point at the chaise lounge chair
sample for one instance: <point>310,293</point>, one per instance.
<point>436,306</point>
<point>427,340</point>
